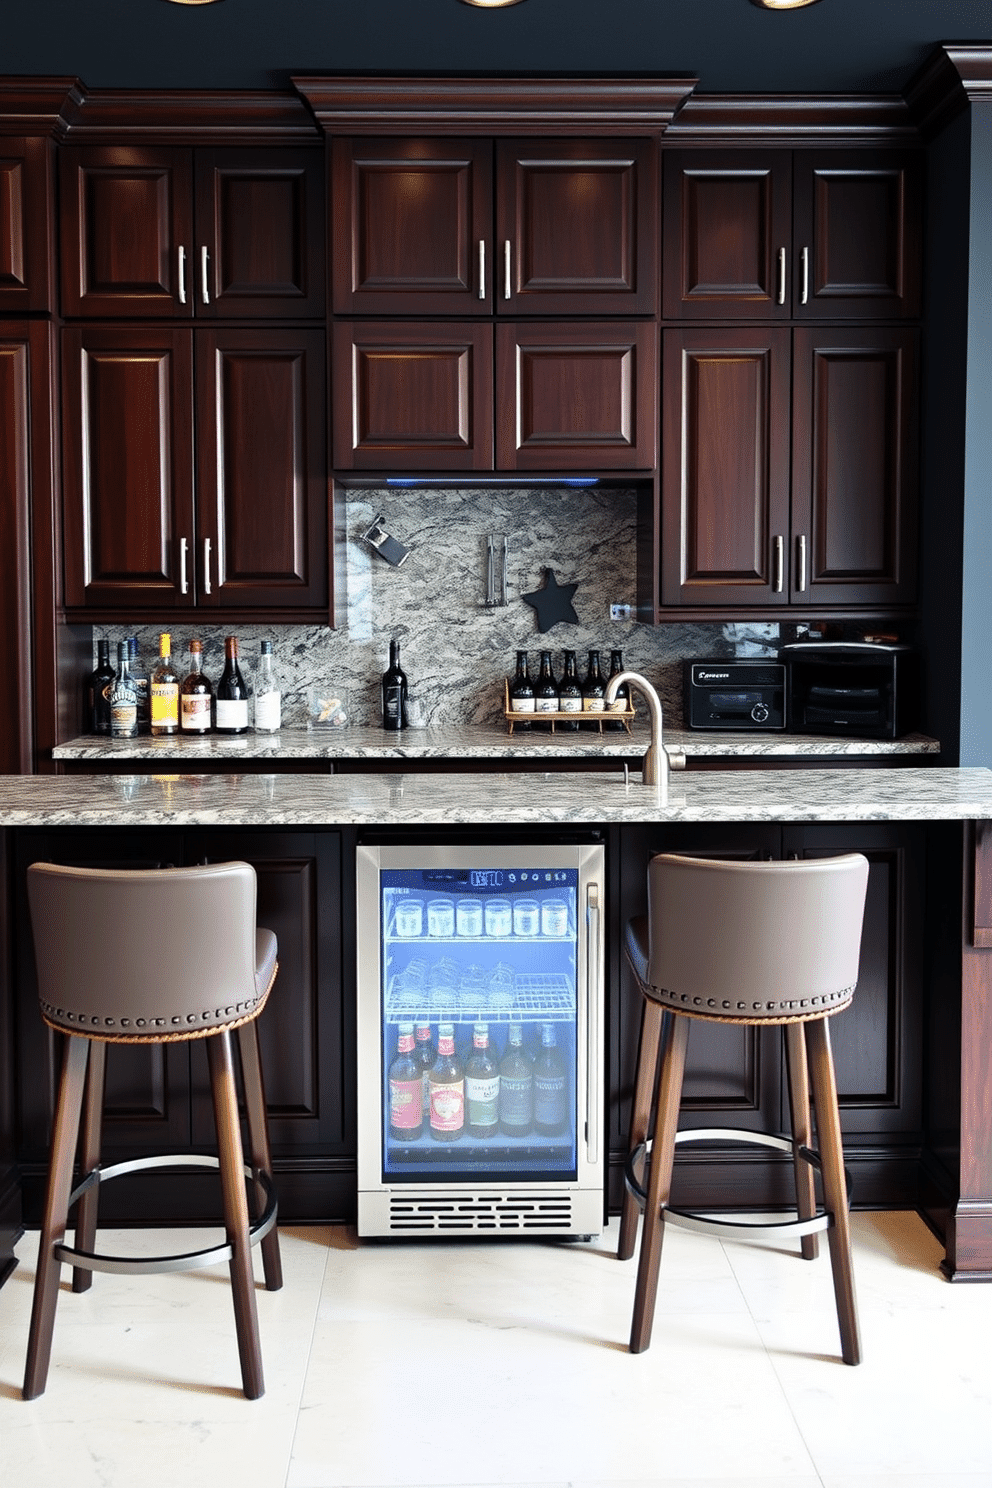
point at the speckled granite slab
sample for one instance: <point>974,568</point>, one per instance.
<point>535,799</point>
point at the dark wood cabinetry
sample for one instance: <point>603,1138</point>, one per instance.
<point>27,247</point>
<point>195,468</point>
<point>233,233</point>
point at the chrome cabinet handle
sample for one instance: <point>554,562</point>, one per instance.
<point>205,275</point>
<point>182,275</point>
<point>804,290</point>
<point>183,579</point>
<point>781,276</point>
<point>593,963</point>
<point>779,579</point>
<point>507,276</point>
<point>206,566</point>
<point>801,586</point>
<point>482,268</point>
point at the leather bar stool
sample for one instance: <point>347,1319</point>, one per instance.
<point>207,974</point>
<point>757,944</point>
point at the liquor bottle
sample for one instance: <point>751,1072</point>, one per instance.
<point>481,1086</point>
<point>545,690</point>
<point>447,1088</point>
<point>593,688</point>
<point>232,693</point>
<point>164,691</point>
<point>521,691</point>
<point>516,1087</point>
<point>196,695</point>
<point>123,697</point>
<point>394,691</point>
<point>98,685</point>
<point>570,693</point>
<point>268,695</point>
<point>425,1054</point>
<point>139,680</point>
<point>406,1105</point>
<point>550,1099</point>
<point>623,693</point>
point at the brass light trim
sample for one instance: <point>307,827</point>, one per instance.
<point>192,2</point>
<point>490,4</point>
<point>782,4</point>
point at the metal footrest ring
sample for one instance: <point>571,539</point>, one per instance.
<point>187,1261</point>
<point>686,1219</point>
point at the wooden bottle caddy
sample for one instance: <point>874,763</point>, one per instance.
<point>556,720</point>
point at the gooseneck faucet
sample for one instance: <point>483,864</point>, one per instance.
<point>655,766</point>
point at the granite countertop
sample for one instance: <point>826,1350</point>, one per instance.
<point>534,799</point>
<point>479,742</point>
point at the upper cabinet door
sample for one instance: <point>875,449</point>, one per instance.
<point>858,235</point>
<point>127,232</point>
<point>26,245</point>
<point>259,234</point>
<point>728,234</point>
<point>576,227</point>
<point>412,226</point>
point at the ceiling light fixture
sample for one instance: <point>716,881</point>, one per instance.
<point>782,4</point>
<point>491,4</point>
<point>192,2</point>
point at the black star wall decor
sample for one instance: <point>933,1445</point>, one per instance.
<point>552,603</point>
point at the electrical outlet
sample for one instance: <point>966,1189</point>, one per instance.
<point>620,611</point>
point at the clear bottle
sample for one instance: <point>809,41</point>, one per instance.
<point>164,691</point>
<point>447,1089</point>
<point>196,695</point>
<point>394,690</point>
<point>545,690</point>
<point>425,1054</point>
<point>123,697</point>
<point>268,694</point>
<point>593,688</point>
<point>522,691</point>
<point>623,693</point>
<point>139,679</point>
<point>550,1094</point>
<point>406,1104</point>
<point>232,693</point>
<point>516,1087</point>
<point>98,685</point>
<point>481,1086</point>
<point>570,693</point>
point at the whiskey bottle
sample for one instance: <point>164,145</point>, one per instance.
<point>123,697</point>
<point>196,695</point>
<point>164,691</point>
<point>98,685</point>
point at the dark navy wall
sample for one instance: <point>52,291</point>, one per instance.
<point>835,46</point>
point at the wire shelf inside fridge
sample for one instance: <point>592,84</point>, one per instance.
<point>545,996</point>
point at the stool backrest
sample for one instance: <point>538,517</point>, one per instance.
<point>147,953</point>
<point>756,939</point>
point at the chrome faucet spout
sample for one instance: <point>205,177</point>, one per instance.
<point>655,766</point>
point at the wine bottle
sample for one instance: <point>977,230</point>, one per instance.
<point>481,1086</point>
<point>593,688</point>
<point>521,690</point>
<point>622,702</point>
<point>232,693</point>
<point>98,685</point>
<point>196,695</point>
<point>545,690</point>
<point>123,697</point>
<point>406,1107</point>
<point>569,693</point>
<point>447,1088</point>
<point>394,691</point>
<point>550,1097</point>
<point>516,1087</point>
<point>268,695</point>
<point>139,680</point>
<point>164,691</point>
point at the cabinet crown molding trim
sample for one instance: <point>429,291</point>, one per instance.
<point>503,105</point>
<point>951,78</point>
<point>37,105</point>
<point>186,117</point>
<point>793,119</point>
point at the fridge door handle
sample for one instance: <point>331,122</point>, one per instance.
<point>594,962</point>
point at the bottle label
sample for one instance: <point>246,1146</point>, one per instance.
<point>546,705</point>
<point>232,713</point>
<point>196,712</point>
<point>515,1099</point>
<point>123,716</point>
<point>448,1107</point>
<point>571,705</point>
<point>549,1099</point>
<point>165,702</point>
<point>268,711</point>
<point>392,705</point>
<point>482,1099</point>
<point>405,1106</point>
<point>522,705</point>
<point>593,705</point>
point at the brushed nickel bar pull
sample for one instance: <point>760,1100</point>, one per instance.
<point>804,291</point>
<point>507,275</point>
<point>182,274</point>
<point>183,578</point>
<point>205,275</point>
<point>801,586</point>
<point>206,566</point>
<point>781,277</point>
<point>779,579</point>
<point>482,268</point>
<point>593,999</point>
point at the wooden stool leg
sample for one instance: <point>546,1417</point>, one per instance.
<point>258,1138</point>
<point>222,1088</point>
<point>802,1132</point>
<point>89,1158</point>
<point>676,1037</point>
<point>46,1285</point>
<point>821,1069</point>
<point>640,1113</point>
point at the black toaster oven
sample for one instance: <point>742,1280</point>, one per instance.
<point>743,695</point>
<point>861,689</point>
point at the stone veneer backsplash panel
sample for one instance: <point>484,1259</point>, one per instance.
<point>454,650</point>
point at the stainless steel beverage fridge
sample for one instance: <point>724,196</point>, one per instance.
<point>480,1039</point>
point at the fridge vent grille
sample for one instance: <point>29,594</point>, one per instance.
<point>506,1212</point>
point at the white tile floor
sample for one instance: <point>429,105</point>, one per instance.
<point>474,1365</point>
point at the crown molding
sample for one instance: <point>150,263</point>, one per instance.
<point>187,117</point>
<point>793,119</point>
<point>37,105</point>
<point>955,75</point>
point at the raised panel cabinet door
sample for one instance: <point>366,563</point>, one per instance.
<point>127,231</point>
<point>127,466</point>
<point>411,225</point>
<point>725,466</point>
<point>27,247</point>
<point>858,235</point>
<point>728,235</point>
<point>413,397</point>
<point>262,469</point>
<point>576,397</point>
<point>260,233</point>
<point>855,466</point>
<point>576,227</point>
